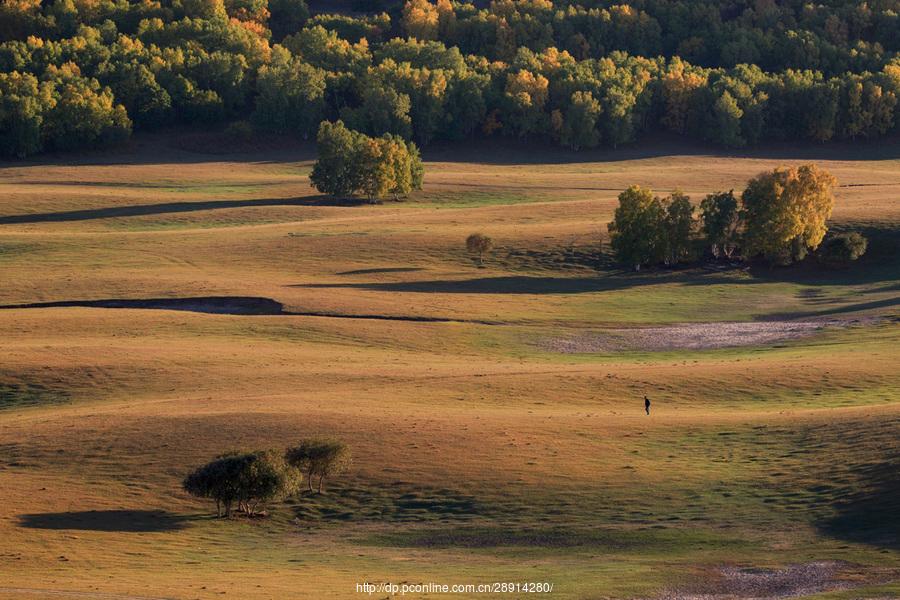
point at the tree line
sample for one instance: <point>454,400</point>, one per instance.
<point>82,73</point>
<point>781,217</point>
<point>246,481</point>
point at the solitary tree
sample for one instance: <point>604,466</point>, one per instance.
<point>479,244</point>
<point>247,480</point>
<point>785,212</point>
<point>319,459</point>
<point>720,215</point>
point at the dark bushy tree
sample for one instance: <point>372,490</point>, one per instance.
<point>244,481</point>
<point>841,249</point>
<point>479,244</point>
<point>720,215</point>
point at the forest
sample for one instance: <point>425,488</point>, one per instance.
<point>580,73</point>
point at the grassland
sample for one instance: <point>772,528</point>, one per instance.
<point>481,453</point>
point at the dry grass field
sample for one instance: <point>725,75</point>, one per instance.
<point>163,305</point>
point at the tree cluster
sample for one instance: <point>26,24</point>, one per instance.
<point>246,481</point>
<point>781,216</point>
<point>351,163</point>
<point>582,73</point>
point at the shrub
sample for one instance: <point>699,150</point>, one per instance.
<point>843,248</point>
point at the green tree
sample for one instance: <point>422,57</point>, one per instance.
<point>638,228</point>
<point>82,113</point>
<point>286,17</point>
<point>678,228</point>
<point>579,127</point>
<point>727,119</point>
<point>291,95</point>
<point>22,103</point>
<point>243,480</point>
<point>336,171</point>
<point>383,110</point>
<point>720,217</point>
<point>319,459</point>
<point>786,212</point>
<point>526,95</point>
<point>136,87</point>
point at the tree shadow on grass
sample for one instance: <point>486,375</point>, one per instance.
<point>399,502</point>
<point>379,270</point>
<point>521,284</point>
<point>129,521</point>
<point>869,512</point>
<point>139,210</point>
<point>224,305</point>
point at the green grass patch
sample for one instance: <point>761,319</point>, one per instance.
<point>473,199</point>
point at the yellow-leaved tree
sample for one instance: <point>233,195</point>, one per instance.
<point>786,211</point>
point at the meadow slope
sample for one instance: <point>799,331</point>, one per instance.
<point>162,305</point>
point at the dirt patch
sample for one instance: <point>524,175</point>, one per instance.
<point>745,583</point>
<point>690,336</point>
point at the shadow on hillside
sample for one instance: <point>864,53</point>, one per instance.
<point>232,305</point>
<point>399,502</point>
<point>381,270</point>
<point>505,151</point>
<point>180,146</point>
<point>224,305</point>
<point>869,513</point>
<point>139,210</point>
<point>838,310</point>
<point>198,146</point>
<point>610,281</point>
<point>517,284</point>
<point>130,521</point>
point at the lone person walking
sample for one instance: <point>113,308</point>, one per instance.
<point>647,404</point>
